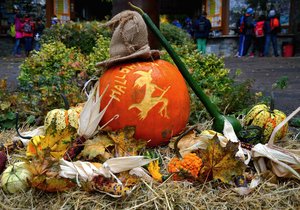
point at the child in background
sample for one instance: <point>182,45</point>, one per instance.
<point>18,34</point>
<point>28,29</point>
<point>38,33</point>
<point>272,28</point>
<point>259,31</point>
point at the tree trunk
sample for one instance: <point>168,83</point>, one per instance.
<point>151,7</point>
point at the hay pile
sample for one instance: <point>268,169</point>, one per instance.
<point>271,194</point>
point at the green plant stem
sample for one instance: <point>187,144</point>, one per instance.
<point>211,108</point>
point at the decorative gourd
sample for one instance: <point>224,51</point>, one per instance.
<point>152,96</point>
<point>57,120</point>
<point>15,178</point>
<point>188,167</point>
<point>266,118</point>
<point>60,129</point>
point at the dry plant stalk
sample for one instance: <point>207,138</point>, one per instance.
<point>284,162</point>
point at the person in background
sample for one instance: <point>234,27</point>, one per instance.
<point>54,20</point>
<point>245,27</point>
<point>201,28</point>
<point>177,23</point>
<point>18,34</point>
<point>260,34</point>
<point>39,28</point>
<point>28,30</point>
<point>272,28</point>
<point>188,26</point>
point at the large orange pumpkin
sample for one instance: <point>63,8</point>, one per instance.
<point>152,96</point>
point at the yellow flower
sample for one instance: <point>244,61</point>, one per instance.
<point>154,170</point>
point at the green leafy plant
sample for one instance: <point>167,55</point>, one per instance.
<point>281,83</point>
<point>100,53</point>
<point>45,75</point>
<point>176,35</point>
<point>8,106</point>
<point>80,35</point>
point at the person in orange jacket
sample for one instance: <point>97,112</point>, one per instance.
<point>28,31</point>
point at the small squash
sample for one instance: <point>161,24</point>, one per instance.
<point>266,118</point>
<point>188,167</point>
<point>60,129</point>
<point>152,96</point>
<point>57,120</point>
<point>15,178</point>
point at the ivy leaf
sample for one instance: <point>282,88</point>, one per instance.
<point>97,146</point>
<point>220,162</point>
<point>11,115</point>
<point>5,105</point>
<point>30,119</point>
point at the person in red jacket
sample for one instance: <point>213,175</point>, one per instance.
<point>28,31</point>
<point>260,34</point>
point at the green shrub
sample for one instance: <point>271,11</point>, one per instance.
<point>176,35</point>
<point>10,103</point>
<point>45,75</point>
<point>81,35</point>
<point>100,53</point>
<point>7,105</point>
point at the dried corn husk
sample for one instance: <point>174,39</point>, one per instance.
<point>86,171</point>
<point>283,162</point>
<point>247,190</point>
<point>91,114</point>
<point>195,142</point>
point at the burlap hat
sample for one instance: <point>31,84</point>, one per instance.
<point>129,39</point>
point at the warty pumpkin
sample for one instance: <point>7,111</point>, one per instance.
<point>266,118</point>
<point>57,120</point>
<point>152,96</point>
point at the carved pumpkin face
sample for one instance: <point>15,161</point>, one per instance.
<point>152,96</point>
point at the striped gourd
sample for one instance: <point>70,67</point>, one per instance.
<point>266,118</point>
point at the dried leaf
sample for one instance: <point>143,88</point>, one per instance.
<point>192,142</point>
<point>97,146</point>
<point>125,143</point>
<point>53,184</point>
<point>45,172</point>
<point>57,144</point>
<point>220,162</point>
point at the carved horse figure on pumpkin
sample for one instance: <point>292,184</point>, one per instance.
<point>148,102</point>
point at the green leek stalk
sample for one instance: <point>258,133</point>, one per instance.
<point>212,109</point>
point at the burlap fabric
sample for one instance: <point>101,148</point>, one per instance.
<point>129,39</point>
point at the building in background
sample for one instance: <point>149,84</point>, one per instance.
<point>222,13</point>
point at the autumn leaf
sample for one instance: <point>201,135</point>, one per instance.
<point>220,162</point>
<point>125,143</point>
<point>193,141</point>
<point>97,146</point>
<point>52,184</point>
<point>57,144</point>
<point>45,171</point>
